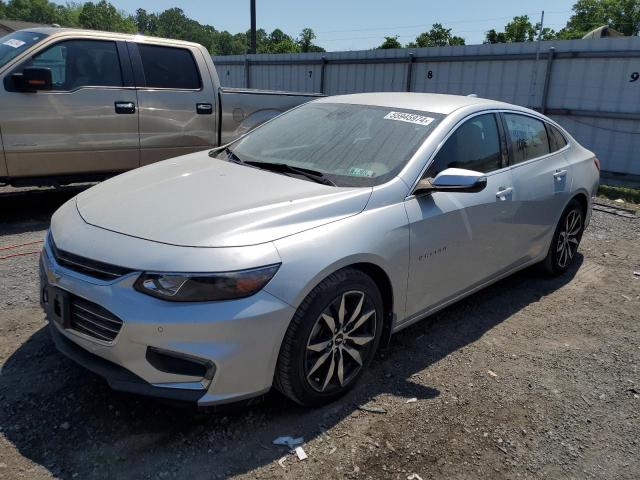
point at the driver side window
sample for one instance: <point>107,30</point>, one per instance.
<point>475,145</point>
<point>81,63</point>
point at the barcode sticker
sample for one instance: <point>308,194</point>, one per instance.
<point>409,118</point>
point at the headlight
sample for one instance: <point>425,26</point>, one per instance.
<point>205,287</point>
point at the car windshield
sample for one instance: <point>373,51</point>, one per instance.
<point>15,43</point>
<point>350,145</point>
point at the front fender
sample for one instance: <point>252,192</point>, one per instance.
<point>379,236</point>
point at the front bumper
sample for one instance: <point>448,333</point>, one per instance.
<point>240,338</point>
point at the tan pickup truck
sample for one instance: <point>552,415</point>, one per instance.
<point>84,105</point>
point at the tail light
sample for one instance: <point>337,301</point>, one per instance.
<point>597,163</point>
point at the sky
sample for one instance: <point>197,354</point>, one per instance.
<point>363,24</point>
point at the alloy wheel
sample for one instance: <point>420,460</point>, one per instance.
<point>569,238</point>
<point>340,341</point>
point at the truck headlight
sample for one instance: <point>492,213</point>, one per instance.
<point>205,287</point>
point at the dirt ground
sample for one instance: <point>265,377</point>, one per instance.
<point>530,378</point>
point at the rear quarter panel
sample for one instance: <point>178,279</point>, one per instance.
<point>584,174</point>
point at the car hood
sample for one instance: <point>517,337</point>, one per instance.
<point>200,201</point>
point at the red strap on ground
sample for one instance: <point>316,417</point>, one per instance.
<point>11,247</point>
<point>18,255</point>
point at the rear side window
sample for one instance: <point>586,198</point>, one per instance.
<point>475,145</point>
<point>81,63</point>
<point>168,67</point>
<point>556,139</point>
<point>528,137</point>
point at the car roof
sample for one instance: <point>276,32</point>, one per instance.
<point>427,102</point>
<point>60,31</point>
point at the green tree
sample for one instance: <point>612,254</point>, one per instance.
<point>520,29</point>
<point>146,23</point>
<point>305,41</point>
<point>104,16</point>
<point>171,23</point>
<point>278,42</point>
<point>225,43</point>
<point>69,14</point>
<point>622,15</point>
<point>38,11</point>
<point>390,42</point>
<point>438,36</point>
<point>495,37</point>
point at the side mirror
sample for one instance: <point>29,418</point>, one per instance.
<point>33,79</point>
<point>453,180</point>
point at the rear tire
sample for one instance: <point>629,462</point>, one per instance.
<point>331,340</point>
<point>566,240</point>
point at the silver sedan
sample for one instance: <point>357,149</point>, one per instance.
<point>287,257</point>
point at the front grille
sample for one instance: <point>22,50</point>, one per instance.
<point>93,320</point>
<point>86,266</point>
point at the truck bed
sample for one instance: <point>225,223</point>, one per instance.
<point>244,109</point>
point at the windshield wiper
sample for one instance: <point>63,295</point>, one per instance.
<point>232,157</point>
<point>312,175</point>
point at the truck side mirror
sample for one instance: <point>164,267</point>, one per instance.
<point>33,79</point>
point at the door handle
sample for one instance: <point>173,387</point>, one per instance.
<point>560,175</point>
<point>125,107</point>
<point>504,193</point>
<point>204,108</point>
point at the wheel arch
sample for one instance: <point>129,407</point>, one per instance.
<point>583,200</point>
<point>383,282</point>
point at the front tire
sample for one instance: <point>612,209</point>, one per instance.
<point>566,240</point>
<point>331,340</point>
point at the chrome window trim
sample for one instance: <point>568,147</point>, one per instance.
<point>88,87</point>
<point>501,170</point>
<point>545,121</point>
<point>543,157</point>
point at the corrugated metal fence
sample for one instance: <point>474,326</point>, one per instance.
<point>591,87</point>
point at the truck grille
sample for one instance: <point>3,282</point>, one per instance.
<point>86,266</point>
<point>93,320</point>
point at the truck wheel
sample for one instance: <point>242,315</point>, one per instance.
<point>331,340</point>
<point>566,239</point>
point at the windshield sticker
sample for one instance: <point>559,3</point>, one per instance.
<point>409,118</point>
<point>361,172</point>
<point>12,42</point>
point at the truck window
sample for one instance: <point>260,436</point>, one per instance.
<point>81,63</point>
<point>167,67</point>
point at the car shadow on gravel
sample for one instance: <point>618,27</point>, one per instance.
<point>30,209</point>
<point>67,420</point>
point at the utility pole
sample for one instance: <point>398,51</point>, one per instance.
<point>541,26</point>
<point>534,78</point>
<point>253,27</point>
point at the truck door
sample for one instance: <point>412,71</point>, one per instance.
<point>176,100</point>
<point>87,123</point>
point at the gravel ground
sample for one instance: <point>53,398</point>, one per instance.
<point>531,378</point>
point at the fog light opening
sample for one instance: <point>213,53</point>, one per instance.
<point>181,364</point>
